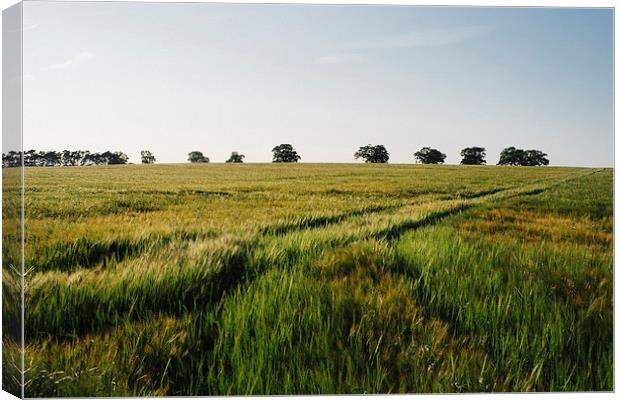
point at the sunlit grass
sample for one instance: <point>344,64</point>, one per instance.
<point>278,279</point>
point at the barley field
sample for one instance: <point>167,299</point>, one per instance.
<point>221,279</point>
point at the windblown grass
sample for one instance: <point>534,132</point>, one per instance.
<point>277,279</point>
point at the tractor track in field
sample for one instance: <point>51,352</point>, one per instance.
<point>445,314</point>
<point>86,253</point>
<point>243,273</point>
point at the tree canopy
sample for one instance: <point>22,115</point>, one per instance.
<point>473,156</point>
<point>426,155</point>
<point>514,156</point>
<point>235,158</point>
<point>373,154</point>
<point>285,153</point>
<point>116,157</point>
<point>34,158</point>
<point>147,157</point>
<point>197,157</point>
<point>11,159</point>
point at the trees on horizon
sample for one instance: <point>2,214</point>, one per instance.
<point>147,157</point>
<point>11,159</point>
<point>197,157</point>
<point>473,156</point>
<point>33,158</point>
<point>376,154</point>
<point>116,157</point>
<point>285,153</point>
<point>235,158</point>
<point>514,156</point>
<point>426,155</point>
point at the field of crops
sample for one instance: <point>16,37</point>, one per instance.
<point>314,278</point>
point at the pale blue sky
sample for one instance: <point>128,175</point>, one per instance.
<point>173,78</point>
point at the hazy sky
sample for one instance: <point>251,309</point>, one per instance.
<point>172,78</point>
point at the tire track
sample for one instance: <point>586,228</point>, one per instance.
<point>89,313</point>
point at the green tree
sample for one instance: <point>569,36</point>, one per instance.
<point>116,157</point>
<point>513,156</point>
<point>473,156</point>
<point>510,156</point>
<point>147,157</point>
<point>197,157</point>
<point>285,153</point>
<point>12,159</point>
<point>50,158</point>
<point>235,158</point>
<point>535,158</point>
<point>426,155</point>
<point>376,154</point>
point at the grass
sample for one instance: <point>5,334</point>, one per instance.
<point>313,278</point>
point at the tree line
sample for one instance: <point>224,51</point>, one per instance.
<point>470,156</point>
<point>33,158</point>
<point>283,153</point>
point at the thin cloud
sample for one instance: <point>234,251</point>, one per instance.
<point>431,38</point>
<point>79,59</point>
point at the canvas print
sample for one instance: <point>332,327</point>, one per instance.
<point>277,199</point>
